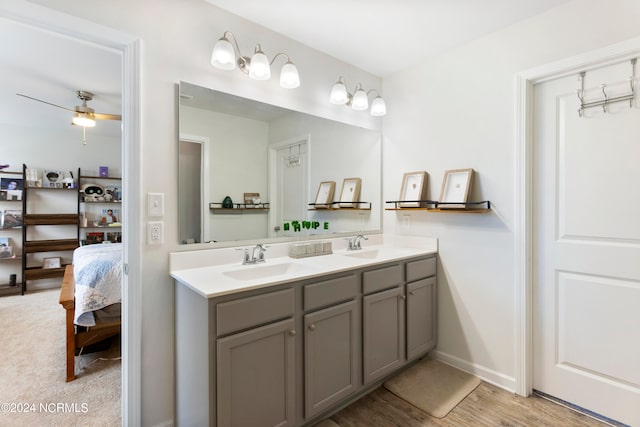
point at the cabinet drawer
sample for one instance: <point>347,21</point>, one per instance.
<point>248,312</point>
<point>382,278</point>
<point>420,269</point>
<point>329,292</point>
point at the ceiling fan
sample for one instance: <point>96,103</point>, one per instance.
<point>83,115</point>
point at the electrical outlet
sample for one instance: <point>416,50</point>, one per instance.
<point>155,233</point>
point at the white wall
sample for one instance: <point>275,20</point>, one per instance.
<point>177,38</point>
<point>457,111</point>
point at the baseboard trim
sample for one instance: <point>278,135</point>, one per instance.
<point>493,377</point>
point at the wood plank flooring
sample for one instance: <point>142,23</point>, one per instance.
<point>487,405</point>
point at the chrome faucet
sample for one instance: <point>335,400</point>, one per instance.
<point>356,243</point>
<point>257,254</point>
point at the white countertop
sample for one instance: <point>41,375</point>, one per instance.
<point>216,272</point>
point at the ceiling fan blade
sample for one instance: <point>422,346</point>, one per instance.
<point>45,102</point>
<point>100,116</point>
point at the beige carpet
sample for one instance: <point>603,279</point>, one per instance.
<point>33,391</point>
<point>432,386</point>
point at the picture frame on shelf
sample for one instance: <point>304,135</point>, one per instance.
<point>324,195</point>
<point>456,186</point>
<point>350,194</point>
<point>11,184</point>
<point>6,251</point>
<point>413,189</point>
<point>11,218</point>
<point>103,171</point>
<point>51,262</point>
<point>251,200</point>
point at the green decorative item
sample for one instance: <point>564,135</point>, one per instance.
<point>227,203</point>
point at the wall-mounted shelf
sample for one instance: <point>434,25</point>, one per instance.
<point>335,206</point>
<point>445,207</point>
<point>239,208</point>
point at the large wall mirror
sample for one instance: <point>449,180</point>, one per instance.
<point>269,162</point>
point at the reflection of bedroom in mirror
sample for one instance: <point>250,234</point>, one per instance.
<point>241,144</point>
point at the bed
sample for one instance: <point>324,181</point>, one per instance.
<point>91,295</point>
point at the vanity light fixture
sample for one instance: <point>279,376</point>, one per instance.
<point>359,100</point>
<point>258,67</point>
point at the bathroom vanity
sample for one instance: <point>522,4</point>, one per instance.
<point>289,341</point>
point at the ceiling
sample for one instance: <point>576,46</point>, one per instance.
<point>385,36</point>
<point>53,68</point>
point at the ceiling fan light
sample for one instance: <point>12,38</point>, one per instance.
<point>289,77</point>
<point>339,94</point>
<point>223,55</point>
<point>378,107</point>
<point>259,68</point>
<point>360,101</point>
<point>83,119</point>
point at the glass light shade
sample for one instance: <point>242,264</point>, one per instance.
<point>223,55</point>
<point>259,68</point>
<point>339,94</point>
<point>360,101</point>
<point>289,78</point>
<point>378,107</point>
<point>83,119</point>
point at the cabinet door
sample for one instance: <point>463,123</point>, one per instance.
<point>421,324</point>
<point>331,356</point>
<point>383,333</point>
<point>256,377</point>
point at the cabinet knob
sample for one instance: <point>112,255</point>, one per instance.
<point>292,332</point>
<point>411,293</point>
<point>312,327</point>
<point>403,297</point>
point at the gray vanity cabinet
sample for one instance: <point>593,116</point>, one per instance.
<point>330,356</point>
<point>256,380</point>
<point>421,307</point>
<point>383,322</point>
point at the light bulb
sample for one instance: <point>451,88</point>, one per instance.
<point>83,119</point>
<point>289,78</point>
<point>259,68</point>
<point>223,55</point>
<point>360,101</point>
<point>378,107</point>
<point>339,94</point>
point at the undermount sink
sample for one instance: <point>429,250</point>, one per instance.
<point>265,271</point>
<point>377,253</point>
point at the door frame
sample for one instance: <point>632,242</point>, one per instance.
<point>205,145</point>
<point>131,49</point>
<point>524,237</point>
<point>273,170</point>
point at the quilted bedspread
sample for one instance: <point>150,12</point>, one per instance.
<point>97,270</point>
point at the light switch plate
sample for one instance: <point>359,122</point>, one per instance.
<point>155,204</point>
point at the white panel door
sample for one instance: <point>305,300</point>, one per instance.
<point>291,198</point>
<point>587,246</point>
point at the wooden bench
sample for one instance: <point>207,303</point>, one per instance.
<point>76,340</point>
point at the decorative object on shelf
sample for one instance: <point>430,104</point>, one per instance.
<point>11,218</point>
<point>350,194</point>
<point>109,216</point>
<point>52,262</point>
<point>52,178</point>
<point>33,177</point>
<point>307,225</point>
<point>606,100</point>
<point>83,115</point>
<point>251,199</point>
<point>227,203</point>
<point>103,171</point>
<point>92,192</point>
<point>11,188</point>
<point>455,189</point>
<point>359,100</point>
<point>6,251</point>
<point>94,237</point>
<point>258,67</point>
<point>414,187</point>
<point>324,196</point>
